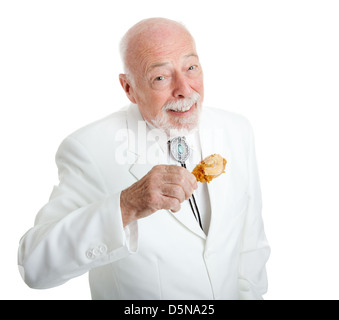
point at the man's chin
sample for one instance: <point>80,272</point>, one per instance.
<point>174,126</point>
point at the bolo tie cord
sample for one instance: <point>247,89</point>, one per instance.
<point>196,211</point>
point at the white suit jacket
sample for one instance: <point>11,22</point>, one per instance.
<point>165,255</point>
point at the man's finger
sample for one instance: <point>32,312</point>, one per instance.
<point>171,204</point>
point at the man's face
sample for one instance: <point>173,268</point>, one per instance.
<point>168,80</point>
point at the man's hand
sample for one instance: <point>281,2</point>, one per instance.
<point>163,187</point>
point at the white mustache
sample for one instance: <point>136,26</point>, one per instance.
<point>182,104</point>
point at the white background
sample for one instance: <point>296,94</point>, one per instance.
<point>276,62</point>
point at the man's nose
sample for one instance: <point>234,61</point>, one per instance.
<point>182,88</point>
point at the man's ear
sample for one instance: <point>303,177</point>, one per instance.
<point>125,83</point>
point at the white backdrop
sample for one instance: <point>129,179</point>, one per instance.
<point>276,62</point>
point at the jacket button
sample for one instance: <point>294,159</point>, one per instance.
<point>102,248</point>
<point>96,251</point>
<point>90,254</point>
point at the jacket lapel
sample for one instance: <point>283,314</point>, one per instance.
<point>212,139</point>
<point>186,217</point>
<point>144,150</point>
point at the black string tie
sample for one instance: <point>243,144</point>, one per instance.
<point>181,152</point>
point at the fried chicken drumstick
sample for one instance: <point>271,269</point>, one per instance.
<point>209,168</point>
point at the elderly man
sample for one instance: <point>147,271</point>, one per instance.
<point>123,210</point>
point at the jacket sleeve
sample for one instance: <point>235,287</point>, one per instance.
<point>255,249</point>
<point>80,228</point>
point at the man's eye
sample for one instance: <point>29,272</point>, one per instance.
<point>159,78</point>
<point>191,67</point>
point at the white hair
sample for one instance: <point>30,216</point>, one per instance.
<point>123,49</point>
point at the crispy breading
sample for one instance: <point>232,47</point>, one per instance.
<point>209,168</point>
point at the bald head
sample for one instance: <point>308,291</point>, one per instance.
<point>149,35</point>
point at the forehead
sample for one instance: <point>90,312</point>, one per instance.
<point>169,53</point>
<point>165,45</point>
